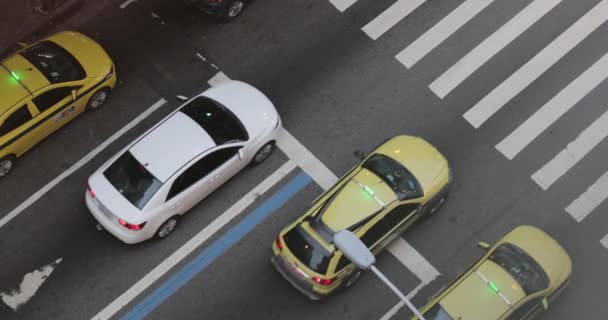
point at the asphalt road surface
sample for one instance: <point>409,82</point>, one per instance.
<point>512,92</point>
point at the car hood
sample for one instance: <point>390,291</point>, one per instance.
<point>251,107</point>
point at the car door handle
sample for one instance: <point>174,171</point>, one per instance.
<point>213,179</point>
<point>175,206</point>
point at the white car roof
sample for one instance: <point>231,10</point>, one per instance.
<point>168,147</point>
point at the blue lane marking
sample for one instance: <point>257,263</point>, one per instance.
<point>215,250</point>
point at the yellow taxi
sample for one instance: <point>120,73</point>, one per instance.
<point>401,181</point>
<point>47,84</point>
<point>516,279</point>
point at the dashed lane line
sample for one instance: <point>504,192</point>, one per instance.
<point>342,5</point>
<point>38,194</point>
<point>590,199</point>
<point>536,66</point>
<point>441,31</point>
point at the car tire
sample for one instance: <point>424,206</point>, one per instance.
<point>263,153</point>
<point>353,278</point>
<point>437,204</point>
<point>234,8</point>
<point>6,165</point>
<point>98,99</point>
<point>167,228</point>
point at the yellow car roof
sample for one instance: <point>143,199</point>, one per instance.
<point>418,156</point>
<point>359,197</point>
<point>476,299</point>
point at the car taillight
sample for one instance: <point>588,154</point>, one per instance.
<point>321,281</point>
<point>91,192</point>
<point>279,243</point>
<point>131,226</point>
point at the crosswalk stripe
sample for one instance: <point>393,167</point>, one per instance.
<point>441,31</point>
<point>525,75</point>
<point>390,17</point>
<point>590,199</point>
<point>573,153</point>
<point>604,241</point>
<point>554,109</point>
<point>466,66</point>
<point>415,262</point>
<point>342,5</point>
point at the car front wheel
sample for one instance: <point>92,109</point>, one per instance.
<point>98,99</point>
<point>6,165</point>
<point>263,153</point>
<point>235,8</point>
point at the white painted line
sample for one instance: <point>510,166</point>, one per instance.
<point>407,255</point>
<point>554,109</point>
<point>342,5</point>
<point>194,243</point>
<point>590,199</point>
<point>393,311</point>
<point>126,3</point>
<point>390,17</point>
<point>218,78</point>
<point>604,241</point>
<point>306,160</point>
<point>38,194</point>
<point>29,286</point>
<point>530,71</point>
<point>573,153</point>
<point>441,31</point>
<point>466,66</point>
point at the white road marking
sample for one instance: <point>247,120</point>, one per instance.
<point>604,241</point>
<point>218,78</point>
<point>393,311</point>
<point>573,153</point>
<point>405,253</point>
<point>306,160</point>
<point>342,5</point>
<point>590,199</point>
<point>194,243</point>
<point>554,109</point>
<point>441,31</point>
<point>38,194</point>
<point>390,17</point>
<point>29,286</point>
<point>466,66</point>
<point>530,71</point>
<point>126,3</point>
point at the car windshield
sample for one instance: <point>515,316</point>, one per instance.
<point>521,267</point>
<point>394,174</point>
<point>307,250</point>
<point>437,313</point>
<point>55,63</point>
<point>219,122</point>
<point>132,180</point>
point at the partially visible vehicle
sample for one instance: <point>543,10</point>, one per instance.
<point>518,278</point>
<point>143,190</point>
<point>225,9</point>
<point>45,86</point>
<point>400,182</point>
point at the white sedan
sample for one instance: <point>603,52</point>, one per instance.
<point>142,191</point>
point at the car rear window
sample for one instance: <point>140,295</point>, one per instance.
<point>132,180</point>
<point>219,122</point>
<point>395,175</point>
<point>437,313</point>
<point>55,63</point>
<point>307,250</point>
<point>525,270</point>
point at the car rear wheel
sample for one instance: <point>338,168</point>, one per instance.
<point>235,8</point>
<point>98,99</point>
<point>263,153</point>
<point>167,228</point>
<point>6,165</point>
<point>353,279</point>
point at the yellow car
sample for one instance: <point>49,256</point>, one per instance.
<point>516,279</point>
<point>46,85</point>
<point>401,181</point>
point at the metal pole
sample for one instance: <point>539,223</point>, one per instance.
<point>396,291</point>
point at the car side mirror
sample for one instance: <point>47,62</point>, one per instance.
<point>181,98</point>
<point>483,245</point>
<point>23,44</point>
<point>359,154</point>
<point>545,303</point>
<point>74,94</point>
<point>241,154</point>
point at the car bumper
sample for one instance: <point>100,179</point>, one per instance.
<point>111,224</point>
<point>302,286</point>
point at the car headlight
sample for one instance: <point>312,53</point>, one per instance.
<point>110,74</point>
